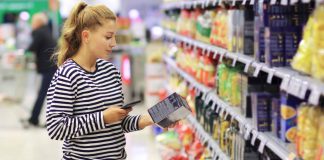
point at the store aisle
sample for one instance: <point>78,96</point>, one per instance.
<point>34,144</point>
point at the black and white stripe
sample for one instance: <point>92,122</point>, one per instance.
<point>75,102</point>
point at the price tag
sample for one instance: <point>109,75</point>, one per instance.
<point>247,132</point>
<point>218,108</point>
<point>233,117</point>
<point>215,54</point>
<point>234,60</point>
<point>195,4</point>
<point>214,106</point>
<point>203,4</point>
<point>262,145</point>
<point>257,70</point>
<point>182,5</point>
<point>241,131</point>
<point>306,1</point>
<point>215,3</point>
<point>244,2</point>
<point>208,52</point>
<point>222,111</point>
<point>284,2</point>
<point>214,155</point>
<point>272,2</point>
<point>285,82</point>
<point>292,2</point>
<point>247,65</point>
<point>294,86</point>
<point>252,2</point>
<point>221,56</point>
<point>208,97</point>
<point>233,2</point>
<point>303,90</point>
<point>226,113</point>
<point>254,137</point>
<point>220,2</point>
<point>314,96</point>
<point>270,76</point>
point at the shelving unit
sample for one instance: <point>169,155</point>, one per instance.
<point>203,135</point>
<point>212,3</point>
<point>222,107</point>
<point>292,82</point>
<point>303,86</point>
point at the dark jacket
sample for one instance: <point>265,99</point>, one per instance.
<point>43,46</point>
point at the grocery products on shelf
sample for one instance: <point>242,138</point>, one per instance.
<point>256,97</point>
<point>310,51</point>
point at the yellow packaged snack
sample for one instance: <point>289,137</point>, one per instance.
<point>318,43</point>
<point>311,131</point>
<point>224,126</point>
<point>302,61</point>
<point>302,115</point>
<point>320,140</point>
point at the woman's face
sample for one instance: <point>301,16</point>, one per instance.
<point>102,40</point>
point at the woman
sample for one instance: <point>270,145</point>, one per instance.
<point>85,94</point>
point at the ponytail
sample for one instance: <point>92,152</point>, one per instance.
<point>82,16</point>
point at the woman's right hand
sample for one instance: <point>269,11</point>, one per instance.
<point>114,114</point>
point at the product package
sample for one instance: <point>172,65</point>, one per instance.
<point>275,116</point>
<point>261,111</point>
<point>320,140</point>
<point>169,110</point>
<point>248,31</point>
<point>249,84</point>
<point>310,140</point>
<point>288,111</point>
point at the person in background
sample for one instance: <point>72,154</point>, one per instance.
<point>85,96</point>
<point>42,46</point>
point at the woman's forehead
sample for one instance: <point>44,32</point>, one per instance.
<point>109,26</point>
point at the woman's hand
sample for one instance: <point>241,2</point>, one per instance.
<point>171,126</point>
<point>114,114</point>
<point>145,121</point>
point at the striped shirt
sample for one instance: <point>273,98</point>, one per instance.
<point>76,100</point>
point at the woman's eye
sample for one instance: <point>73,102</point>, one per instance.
<point>108,38</point>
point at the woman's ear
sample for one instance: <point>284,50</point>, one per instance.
<point>85,35</point>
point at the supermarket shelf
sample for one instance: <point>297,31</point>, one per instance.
<point>266,139</point>
<point>199,87</point>
<point>204,136</point>
<point>199,3</point>
<point>185,4</point>
<point>292,81</point>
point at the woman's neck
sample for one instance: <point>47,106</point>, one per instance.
<point>85,60</point>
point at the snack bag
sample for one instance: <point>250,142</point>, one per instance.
<point>320,140</point>
<point>318,43</point>
<point>302,61</point>
<point>302,115</point>
<point>311,131</point>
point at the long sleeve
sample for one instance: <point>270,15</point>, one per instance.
<point>36,42</point>
<point>130,124</point>
<point>60,121</point>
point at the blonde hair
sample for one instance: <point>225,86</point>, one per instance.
<point>81,17</point>
<point>41,18</point>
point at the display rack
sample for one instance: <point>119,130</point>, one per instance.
<point>212,3</point>
<point>266,139</point>
<point>200,3</point>
<point>292,81</point>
